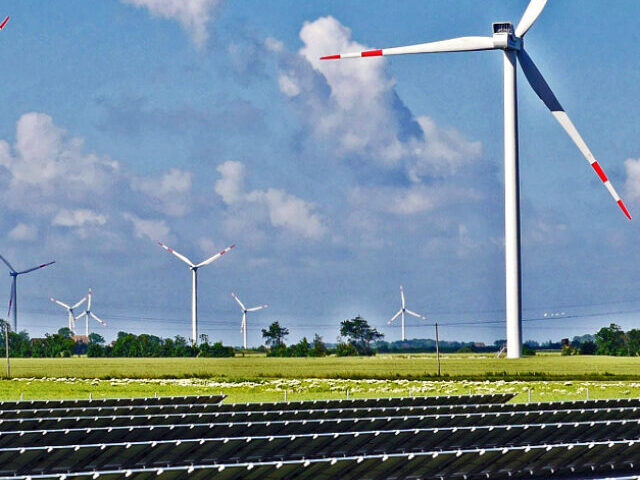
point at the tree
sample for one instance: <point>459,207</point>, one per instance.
<point>65,332</point>
<point>96,338</point>
<point>274,336</point>
<point>319,349</point>
<point>360,334</point>
<point>611,340</point>
<point>587,347</point>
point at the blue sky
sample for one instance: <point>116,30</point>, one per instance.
<point>203,123</point>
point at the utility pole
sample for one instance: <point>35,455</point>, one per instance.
<point>6,347</point>
<point>437,348</point>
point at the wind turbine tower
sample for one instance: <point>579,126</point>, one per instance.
<point>243,326</point>
<point>402,311</point>
<point>194,284</point>
<point>511,42</point>
<point>13,297</point>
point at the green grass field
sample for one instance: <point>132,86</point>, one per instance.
<point>421,366</point>
<point>257,378</point>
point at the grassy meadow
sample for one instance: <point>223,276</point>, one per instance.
<point>257,378</point>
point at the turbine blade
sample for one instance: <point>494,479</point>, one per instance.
<point>542,89</point>
<point>255,309</point>
<point>402,296</point>
<point>179,255</point>
<point>89,297</point>
<point>529,17</point>
<point>82,315</point>
<point>238,300</point>
<point>36,268</point>
<point>79,303</point>
<point>462,44</point>
<point>417,315</point>
<point>54,300</point>
<point>394,317</point>
<point>11,294</point>
<point>6,262</point>
<point>95,317</point>
<point>4,22</point>
<point>215,257</point>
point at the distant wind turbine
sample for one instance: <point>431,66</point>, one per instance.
<point>13,297</point>
<point>194,284</point>
<point>402,311</point>
<point>243,326</point>
<point>88,313</point>
<point>70,309</point>
<point>511,42</point>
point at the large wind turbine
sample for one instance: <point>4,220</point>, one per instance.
<point>88,313</point>
<point>13,297</point>
<point>243,326</point>
<point>70,309</point>
<point>512,44</point>
<point>194,282</point>
<point>402,311</point>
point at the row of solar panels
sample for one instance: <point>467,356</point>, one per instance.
<point>45,404</point>
<point>571,460</point>
<point>283,411</point>
<point>212,403</point>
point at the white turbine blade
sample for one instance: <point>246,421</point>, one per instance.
<point>238,300</point>
<point>255,309</point>
<point>179,255</point>
<point>417,315</point>
<point>89,296</point>
<point>79,303</point>
<point>95,317</point>
<point>215,257</point>
<point>402,296</point>
<point>82,315</point>
<point>529,17</point>
<point>542,89</point>
<point>462,44</point>
<point>6,262</point>
<point>394,317</point>
<point>36,268</point>
<point>55,300</point>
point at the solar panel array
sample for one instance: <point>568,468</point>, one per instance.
<point>463,437</point>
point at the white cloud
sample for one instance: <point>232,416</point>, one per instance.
<point>283,209</point>
<point>152,229</point>
<point>171,190</point>
<point>49,167</point>
<point>24,232</point>
<point>78,218</point>
<point>193,15</point>
<point>352,107</point>
<point>632,185</point>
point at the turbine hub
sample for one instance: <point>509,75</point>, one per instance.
<point>504,38</point>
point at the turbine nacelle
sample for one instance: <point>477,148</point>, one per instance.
<point>504,38</point>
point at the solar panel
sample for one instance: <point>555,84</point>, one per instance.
<point>412,416</point>
<point>49,404</point>
<point>571,460</point>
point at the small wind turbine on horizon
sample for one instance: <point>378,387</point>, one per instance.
<point>511,42</point>
<point>70,309</point>
<point>402,311</point>
<point>243,325</point>
<point>194,284</point>
<point>13,296</point>
<point>88,313</point>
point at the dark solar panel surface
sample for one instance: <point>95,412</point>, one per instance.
<point>415,437</point>
<point>48,404</point>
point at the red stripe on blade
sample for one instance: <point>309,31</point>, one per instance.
<point>599,171</point>
<point>4,23</point>
<point>331,57</point>
<point>372,53</point>
<point>624,209</point>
